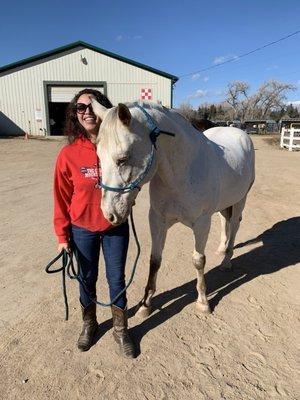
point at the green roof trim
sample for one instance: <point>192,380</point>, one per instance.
<point>91,47</point>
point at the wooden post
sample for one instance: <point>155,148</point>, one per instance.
<point>281,137</point>
<point>291,139</point>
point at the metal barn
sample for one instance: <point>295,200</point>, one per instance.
<point>34,92</point>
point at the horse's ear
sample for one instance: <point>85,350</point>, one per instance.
<point>98,108</point>
<point>124,114</point>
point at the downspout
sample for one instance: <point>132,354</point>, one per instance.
<point>172,88</point>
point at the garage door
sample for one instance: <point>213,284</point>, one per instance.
<point>64,94</point>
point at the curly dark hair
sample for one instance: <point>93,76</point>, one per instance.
<point>72,127</point>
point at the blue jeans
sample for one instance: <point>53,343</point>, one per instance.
<point>86,246</point>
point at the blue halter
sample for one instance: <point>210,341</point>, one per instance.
<point>153,135</point>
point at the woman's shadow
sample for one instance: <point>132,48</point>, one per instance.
<point>280,248</point>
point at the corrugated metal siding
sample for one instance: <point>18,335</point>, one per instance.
<point>22,92</point>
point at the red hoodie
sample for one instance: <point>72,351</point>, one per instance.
<point>76,200</point>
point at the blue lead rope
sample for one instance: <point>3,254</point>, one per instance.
<point>69,269</point>
<point>155,131</point>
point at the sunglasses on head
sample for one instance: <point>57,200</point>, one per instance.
<point>81,107</point>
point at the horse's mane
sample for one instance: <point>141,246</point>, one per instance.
<point>179,122</point>
<point>146,104</point>
<point>172,113</point>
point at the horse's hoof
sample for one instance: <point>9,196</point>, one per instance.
<point>225,266</point>
<point>142,311</point>
<point>203,308</point>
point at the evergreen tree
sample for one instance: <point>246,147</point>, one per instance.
<point>212,111</point>
<point>292,111</point>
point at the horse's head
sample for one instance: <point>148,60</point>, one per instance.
<point>126,158</point>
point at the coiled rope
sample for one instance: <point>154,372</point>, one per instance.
<point>67,268</point>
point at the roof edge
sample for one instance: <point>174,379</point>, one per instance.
<point>91,47</point>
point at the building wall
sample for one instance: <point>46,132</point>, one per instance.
<point>22,97</point>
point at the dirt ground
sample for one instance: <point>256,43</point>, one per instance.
<point>246,349</point>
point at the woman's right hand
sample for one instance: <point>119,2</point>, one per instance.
<point>64,246</point>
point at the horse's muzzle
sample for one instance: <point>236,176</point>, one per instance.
<point>116,220</point>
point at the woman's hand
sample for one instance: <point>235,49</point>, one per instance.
<point>64,246</point>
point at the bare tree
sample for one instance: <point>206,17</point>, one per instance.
<point>187,111</point>
<point>237,97</point>
<point>269,97</point>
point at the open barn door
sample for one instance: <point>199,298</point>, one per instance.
<point>59,96</point>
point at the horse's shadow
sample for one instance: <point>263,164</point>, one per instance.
<point>280,248</point>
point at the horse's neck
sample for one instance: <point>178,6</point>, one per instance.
<point>179,155</point>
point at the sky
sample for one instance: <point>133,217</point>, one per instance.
<point>178,37</point>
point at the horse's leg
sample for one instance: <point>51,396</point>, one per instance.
<point>225,217</point>
<point>158,229</point>
<point>201,230</point>
<point>230,222</point>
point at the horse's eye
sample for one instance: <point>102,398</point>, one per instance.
<point>121,161</point>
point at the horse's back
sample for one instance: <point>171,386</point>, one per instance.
<point>234,160</point>
<point>232,144</point>
<point>230,137</point>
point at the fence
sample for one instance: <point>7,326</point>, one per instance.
<point>290,138</point>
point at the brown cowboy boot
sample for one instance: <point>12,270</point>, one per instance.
<point>89,328</point>
<point>120,333</point>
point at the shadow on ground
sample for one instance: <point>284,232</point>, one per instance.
<point>280,248</point>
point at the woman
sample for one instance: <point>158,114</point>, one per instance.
<point>80,225</point>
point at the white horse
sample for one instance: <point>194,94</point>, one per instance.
<point>192,175</point>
